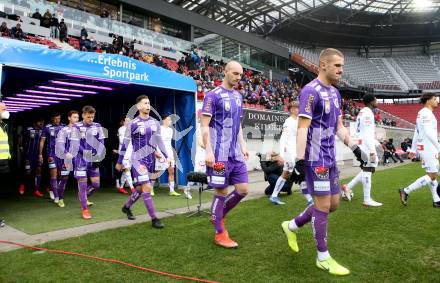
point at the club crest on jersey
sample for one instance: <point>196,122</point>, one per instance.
<point>219,168</point>
<point>322,172</point>
<point>227,105</point>
<point>327,106</point>
<point>142,130</point>
<point>238,101</point>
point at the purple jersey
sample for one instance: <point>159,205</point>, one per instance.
<point>50,133</point>
<point>87,144</point>
<point>31,142</point>
<point>321,104</point>
<point>144,135</point>
<point>63,141</point>
<point>226,109</point>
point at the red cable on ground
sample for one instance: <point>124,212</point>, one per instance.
<point>109,260</point>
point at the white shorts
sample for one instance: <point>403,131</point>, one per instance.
<point>162,164</point>
<point>126,163</point>
<point>372,162</point>
<point>200,167</point>
<point>289,166</point>
<point>430,164</point>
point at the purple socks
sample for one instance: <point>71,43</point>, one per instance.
<point>91,189</point>
<point>319,228</point>
<point>54,186</point>
<point>217,208</point>
<point>304,217</point>
<point>61,187</point>
<point>133,198</point>
<point>82,194</point>
<point>148,201</point>
<point>231,201</point>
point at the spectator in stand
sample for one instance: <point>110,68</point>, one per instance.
<point>406,145</point>
<point>4,31</point>
<point>104,13</point>
<point>18,19</point>
<point>36,15</point>
<point>17,32</point>
<point>200,93</point>
<point>390,146</point>
<point>46,19</point>
<point>54,25</point>
<point>378,117</point>
<point>63,31</point>
<point>84,33</point>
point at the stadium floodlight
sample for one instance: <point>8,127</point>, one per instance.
<point>67,89</point>
<point>81,85</point>
<point>33,100</point>
<point>43,97</point>
<point>53,93</point>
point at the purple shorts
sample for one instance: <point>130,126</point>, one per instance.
<point>32,164</point>
<point>235,172</point>
<point>322,181</point>
<point>141,176</point>
<point>56,163</point>
<point>86,172</point>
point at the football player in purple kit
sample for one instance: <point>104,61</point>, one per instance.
<point>31,142</point>
<point>319,121</point>
<point>62,152</point>
<point>50,133</point>
<point>144,134</point>
<point>87,150</point>
<point>226,150</point>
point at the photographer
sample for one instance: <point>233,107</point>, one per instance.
<point>272,165</point>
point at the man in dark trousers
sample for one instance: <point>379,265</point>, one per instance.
<point>272,167</point>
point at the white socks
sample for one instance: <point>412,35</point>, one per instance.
<point>278,186</point>
<point>355,180</point>
<point>420,182</point>
<point>292,225</point>
<point>128,178</point>
<point>171,185</point>
<point>117,183</point>
<point>366,183</point>
<point>323,255</point>
<point>433,186</point>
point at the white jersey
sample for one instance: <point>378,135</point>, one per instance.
<point>129,151</point>
<point>425,139</point>
<point>288,139</point>
<point>167,136</point>
<point>366,130</point>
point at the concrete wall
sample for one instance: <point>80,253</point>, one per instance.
<point>343,153</point>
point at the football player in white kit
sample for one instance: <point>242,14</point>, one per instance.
<point>199,159</point>
<point>126,162</point>
<point>366,133</point>
<point>167,137</point>
<point>287,151</point>
<point>425,142</point>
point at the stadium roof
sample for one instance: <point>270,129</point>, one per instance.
<point>268,16</point>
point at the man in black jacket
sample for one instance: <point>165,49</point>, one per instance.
<point>390,146</point>
<point>272,167</point>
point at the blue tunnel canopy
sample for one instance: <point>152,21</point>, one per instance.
<point>25,66</point>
